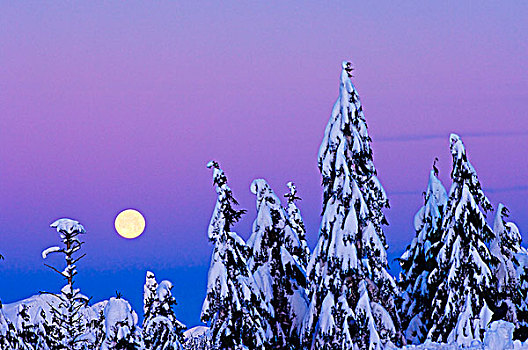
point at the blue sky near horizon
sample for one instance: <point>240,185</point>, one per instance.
<point>110,105</point>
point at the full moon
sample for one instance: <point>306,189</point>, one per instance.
<point>130,223</point>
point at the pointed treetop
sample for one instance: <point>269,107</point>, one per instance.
<point>346,138</point>
<point>150,277</point>
<point>464,172</point>
<point>219,178</point>
<point>435,188</point>
<point>501,213</point>
<point>456,145</point>
<point>262,190</point>
<point>347,67</point>
<point>213,164</point>
<point>258,187</point>
<point>435,169</point>
<point>270,214</point>
<point>435,198</point>
<point>500,227</point>
<point>346,75</point>
<point>461,165</point>
<point>224,215</point>
<point>503,210</point>
<point>69,226</point>
<point>149,291</point>
<point>292,195</point>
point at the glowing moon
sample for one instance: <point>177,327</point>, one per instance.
<point>130,223</point>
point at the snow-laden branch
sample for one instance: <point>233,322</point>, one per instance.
<point>50,250</point>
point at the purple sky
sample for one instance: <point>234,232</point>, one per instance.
<point>106,106</point>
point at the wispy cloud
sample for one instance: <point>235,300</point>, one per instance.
<point>507,189</point>
<point>489,190</point>
<point>403,193</point>
<point>442,136</point>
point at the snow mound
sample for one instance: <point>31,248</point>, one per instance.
<point>198,331</point>
<point>42,303</point>
<point>498,336</point>
<point>197,338</point>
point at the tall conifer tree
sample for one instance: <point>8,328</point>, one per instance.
<point>161,329</point>
<point>120,326</point>
<point>233,307</point>
<point>419,260</point>
<point>352,295</point>
<point>67,326</point>
<point>504,247</point>
<point>276,263</point>
<point>464,298</point>
<point>297,224</point>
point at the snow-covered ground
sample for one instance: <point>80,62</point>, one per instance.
<point>498,336</point>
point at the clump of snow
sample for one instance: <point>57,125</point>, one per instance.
<point>68,226</point>
<point>499,336</point>
<point>48,251</point>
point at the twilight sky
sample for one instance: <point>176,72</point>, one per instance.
<point>113,105</point>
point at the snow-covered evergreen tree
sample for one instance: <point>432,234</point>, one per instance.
<point>504,247</point>
<point>161,328</point>
<point>297,224</point>
<point>120,326</point>
<point>66,328</point>
<point>30,332</point>
<point>95,329</point>
<point>277,264</point>
<point>464,298</point>
<point>352,295</point>
<point>9,338</point>
<point>233,307</point>
<point>521,332</point>
<point>149,292</point>
<point>419,260</point>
